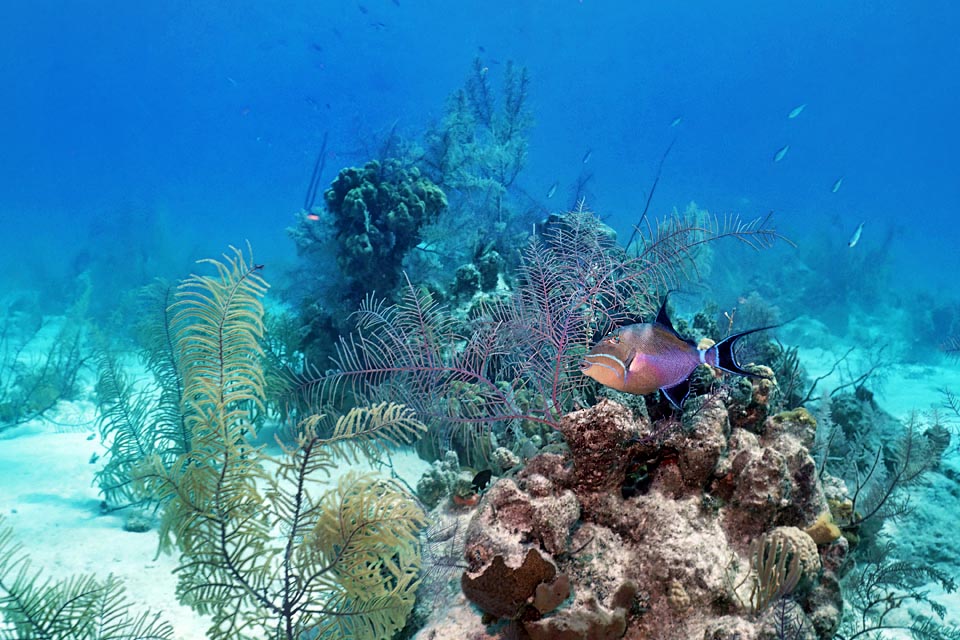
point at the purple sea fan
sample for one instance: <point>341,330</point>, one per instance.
<point>574,282</point>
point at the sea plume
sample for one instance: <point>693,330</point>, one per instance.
<point>516,359</point>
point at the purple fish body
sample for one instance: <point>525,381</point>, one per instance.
<point>649,356</point>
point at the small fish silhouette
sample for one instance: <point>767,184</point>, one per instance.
<point>552,190</point>
<point>481,480</point>
<point>782,151</point>
<point>836,185</point>
<point>797,111</point>
<point>855,238</point>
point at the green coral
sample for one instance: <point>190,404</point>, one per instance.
<point>378,211</point>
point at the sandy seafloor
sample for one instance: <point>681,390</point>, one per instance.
<point>48,495</point>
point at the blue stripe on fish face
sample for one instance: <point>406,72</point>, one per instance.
<point>606,362</point>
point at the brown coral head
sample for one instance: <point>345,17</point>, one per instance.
<point>502,591</point>
<point>599,439</point>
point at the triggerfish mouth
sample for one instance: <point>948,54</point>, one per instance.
<point>644,357</point>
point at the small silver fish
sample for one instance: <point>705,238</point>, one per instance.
<point>836,185</point>
<point>587,156</point>
<point>552,190</point>
<point>676,121</point>
<point>855,238</point>
<point>797,111</point>
<point>782,151</point>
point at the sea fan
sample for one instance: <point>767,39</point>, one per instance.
<point>516,361</point>
<point>276,553</point>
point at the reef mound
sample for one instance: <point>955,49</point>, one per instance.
<point>633,532</point>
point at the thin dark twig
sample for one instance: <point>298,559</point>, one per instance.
<point>318,166</point>
<point>653,188</point>
<point>818,379</point>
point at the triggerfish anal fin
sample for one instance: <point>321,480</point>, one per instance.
<point>677,393</point>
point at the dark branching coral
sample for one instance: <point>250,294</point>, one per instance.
<point>880,586</point>
<point>264,550</point>
<point>877,476</point>
<point>880,460</point>
<point>81,607</point>
<point>517,361</point>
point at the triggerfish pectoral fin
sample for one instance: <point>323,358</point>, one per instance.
<point>724,358</point>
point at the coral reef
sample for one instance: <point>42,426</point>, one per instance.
<point>374,218</point>
<point>705,547</point>
<point>445,479</point>
<point>377,212</point>
<point>516,361</point>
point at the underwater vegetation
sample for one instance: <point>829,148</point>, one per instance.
<point>441,209</point>
<point>514,360</point>
<point>729,517</point>
<point>138,423</point>
<point>345,560</point>
<point>32,382</point>
<point>80,607</point>
<point>558,508</point>
<point>266,547</point>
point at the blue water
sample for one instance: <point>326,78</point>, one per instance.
<point>139,136</point>
<point>209,117</point>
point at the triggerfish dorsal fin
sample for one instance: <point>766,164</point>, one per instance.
<point>726,359</point>
<point>663,317</point>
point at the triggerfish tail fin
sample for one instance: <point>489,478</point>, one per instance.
<point>722,356</point>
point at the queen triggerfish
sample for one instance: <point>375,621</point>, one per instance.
<point>643,357</point>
